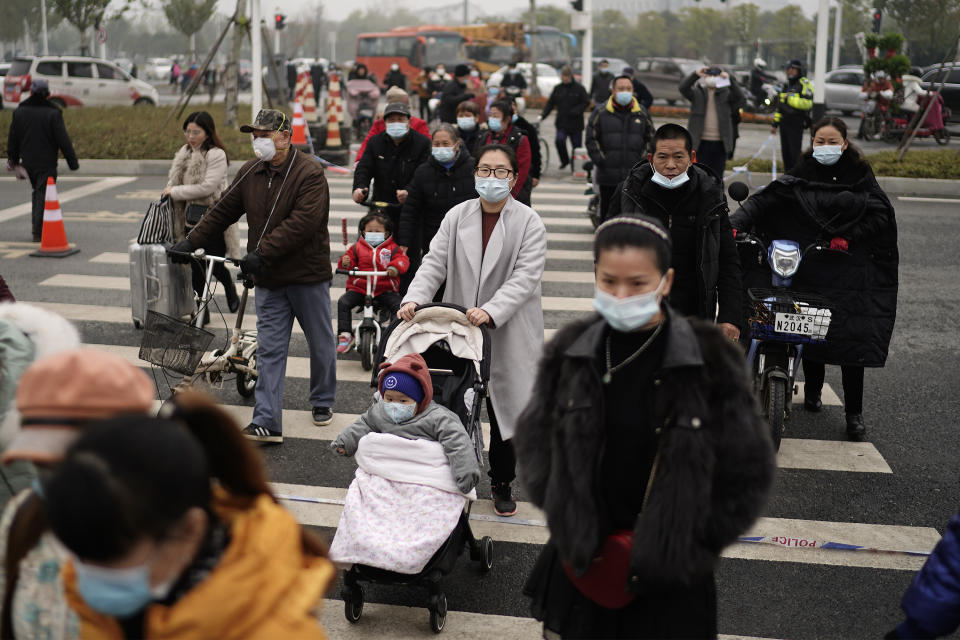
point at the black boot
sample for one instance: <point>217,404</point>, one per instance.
<point>856,429</point>
<point>811,401</point>
<point>233,300</point>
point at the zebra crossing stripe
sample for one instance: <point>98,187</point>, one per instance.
<point>98,185</point>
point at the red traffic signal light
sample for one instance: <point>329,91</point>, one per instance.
<point>279,21</point>
<point>877,20</point>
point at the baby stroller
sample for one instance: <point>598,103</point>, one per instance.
<point>458,355</point>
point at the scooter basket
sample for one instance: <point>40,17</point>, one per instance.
<point>765,304</point>
<point>173,344</point>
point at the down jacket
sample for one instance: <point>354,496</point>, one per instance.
<point>287,207</point>
<point>617,139</point>
<point>716,458</point>
<point>367,258</point>
<point>433,191</point>
<point>390,164</point>
<point>37,135</point>
<point>815,203</point>
<point>719,284</point>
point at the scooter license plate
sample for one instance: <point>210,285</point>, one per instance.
<point>796,323</point>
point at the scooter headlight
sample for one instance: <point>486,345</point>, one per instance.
<point>784,257</point>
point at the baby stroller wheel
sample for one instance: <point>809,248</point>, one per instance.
<point>353,604</point>
<point>438,614</point>
<point>486,551</point>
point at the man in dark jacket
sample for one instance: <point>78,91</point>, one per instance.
<point>37,135</point>
<point>618,136</point>
<point>513,80</point>
<point>287,202</point>
<point>600,86</point>
<point>532,132</point>
<point>691,204</point>
<point>715,98</point>
<point>395,78</point>
<point>570,100</point>
<point>639,89</point>
<point>318,77</point>
<point>390,159</point>
<point>453,93</point>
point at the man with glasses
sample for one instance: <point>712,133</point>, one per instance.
<point>285,196</point>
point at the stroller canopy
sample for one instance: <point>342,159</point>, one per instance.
<point>436,322</point>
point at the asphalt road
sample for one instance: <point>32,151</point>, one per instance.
<point>897,492</point>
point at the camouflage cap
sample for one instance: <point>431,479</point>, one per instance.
<point>268,120</point>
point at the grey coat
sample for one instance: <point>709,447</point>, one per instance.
<point>504,282</point>
<point>728,101</point>
<point>436,422</point>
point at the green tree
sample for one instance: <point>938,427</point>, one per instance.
<point>614,35</point>
<point>550,16</point>
<point>82,14</point>
<point>929,25</point>
<point>789,33</point>
<point>14,13</point>
<point>188,17</point>
<point>703,32</point>
<point>743,23</point>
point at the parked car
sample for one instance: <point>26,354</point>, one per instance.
<point>951,87</point>
<point>843,86</point>
<point>547,76</point>
<point>77,81</point>
<point>662,76</point>
<point>158,68</point>
<point>617,65</point>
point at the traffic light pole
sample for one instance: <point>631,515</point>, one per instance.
<point>820,61</point>
<point>837,37</point>
<point>534,56</point>
<point>586,66</point>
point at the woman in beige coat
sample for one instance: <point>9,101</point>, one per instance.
<point>491,253</point>
<point>196,180</point>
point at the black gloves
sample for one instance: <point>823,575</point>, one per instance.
<point>175,252</point>
<point>252,264</point>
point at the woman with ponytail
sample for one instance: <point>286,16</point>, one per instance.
<point>173,532</point>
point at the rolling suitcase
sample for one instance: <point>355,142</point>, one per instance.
<point>156,284</point>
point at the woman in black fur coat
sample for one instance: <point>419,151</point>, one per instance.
<point>643,433</point>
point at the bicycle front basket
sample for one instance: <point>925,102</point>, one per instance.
<point>173,344</point>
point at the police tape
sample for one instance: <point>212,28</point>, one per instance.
<point>744,169</point>
<point>333,167</point>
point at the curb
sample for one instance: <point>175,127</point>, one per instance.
<point>930,187</point>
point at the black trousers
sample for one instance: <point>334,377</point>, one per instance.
<point>791,141</point>
<point>607,193</point>
<point>503,461</point>
<point>38,180</point>
<point>389,300</point>
<point>713,154</point>
<point>575,138</point>
<point>814,373</point>
<point>217,246</point>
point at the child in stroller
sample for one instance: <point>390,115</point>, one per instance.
<point>406,517</point>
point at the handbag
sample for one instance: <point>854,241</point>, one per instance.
<point>157,225</point>
<point>194,213</point>
<point>605,581</point>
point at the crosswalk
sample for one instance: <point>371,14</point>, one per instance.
<point>93,290</point>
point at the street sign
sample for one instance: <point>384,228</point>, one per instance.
<point>102,35</point>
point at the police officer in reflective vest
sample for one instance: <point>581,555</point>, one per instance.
<point>794,103</point>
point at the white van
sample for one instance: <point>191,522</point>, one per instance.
<point>77,81</point>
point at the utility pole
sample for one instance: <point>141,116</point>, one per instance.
<point>586,69</point>
<point>466,11</point>
<point>534,59</point>
<point>820,61</point>
<point>43,27</point>
<point>256,59</point>
<point>836,35</point>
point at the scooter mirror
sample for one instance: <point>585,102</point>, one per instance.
<point>738,191</point>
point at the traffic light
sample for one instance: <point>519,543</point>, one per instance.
<point>577,5</point>
<point>279,21</point>
<point>877,19</point>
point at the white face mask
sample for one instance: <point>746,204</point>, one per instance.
<point>710,82</point>
<point>828,154</point>
<point>668,183</point>
<point>628,314</point>
<point>264,148</point>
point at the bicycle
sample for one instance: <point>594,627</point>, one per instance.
<point>544,148</point>
<point>366,335</point>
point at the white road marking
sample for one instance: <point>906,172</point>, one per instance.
<point>101,184</point>
<point>922,199</point>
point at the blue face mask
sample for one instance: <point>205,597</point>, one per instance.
<point>397,129</point>
<point>114,592</point>
<point>828,154</point>
<point>399,412</point>
<point>624,98</point>
<point>628,314</point>
<point>374,238</point>
<point>514,118</point>
<point>493,189</point>
<point>495,124</point>
<point>466,124</point>
<point>444,155</point>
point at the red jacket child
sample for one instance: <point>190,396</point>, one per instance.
<point>362,257</point>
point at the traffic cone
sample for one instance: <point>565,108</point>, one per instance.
<point>335,98</point>
<point>53,242</point>
<point>309,102</point>
<point>299,137</point>
<point>333,129</point>
<point>298,88</point>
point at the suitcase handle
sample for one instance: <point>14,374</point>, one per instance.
<point>159,282</point>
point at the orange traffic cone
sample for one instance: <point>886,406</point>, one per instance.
<point>335,98</point>
<point>298,88</point>
<point>299,126</point>
<point>309,101</point>
<point>53,242</point>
